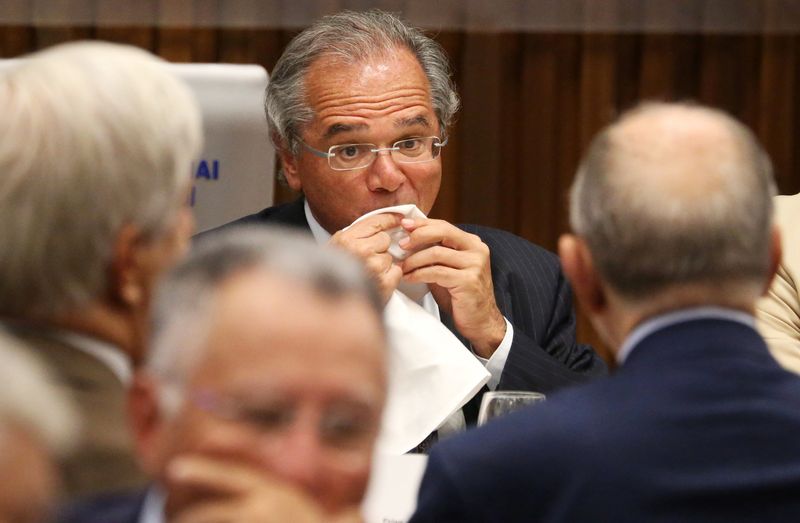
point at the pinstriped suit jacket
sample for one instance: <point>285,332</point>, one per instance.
<point>114,507</point>
<point>532,294</point>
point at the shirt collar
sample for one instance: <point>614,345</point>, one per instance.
<point>112,357</point>
<point>153,506</point>
<point>663,321</point>
<point>320,235</point>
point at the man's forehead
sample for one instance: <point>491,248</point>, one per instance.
<point>400,123</point>
<point>331,81</point>
<point>295,376</point>
<point>258,310</point>
<point>281,388</point>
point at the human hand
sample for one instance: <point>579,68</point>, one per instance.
<point>206,489</point>
<point>457,267</point>
<point>370,241</point>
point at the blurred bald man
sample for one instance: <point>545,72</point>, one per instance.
<point>673,244</point>
<point>96,143</point>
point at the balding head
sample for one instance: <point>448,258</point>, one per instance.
<point>675,195</point>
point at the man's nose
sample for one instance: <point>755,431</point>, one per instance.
<point>297,458</point>
<point>384,174</point>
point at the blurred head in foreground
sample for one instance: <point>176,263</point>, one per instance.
<point>96,144</point>
<point>37,425</point>
<point>267,365</point>
<point>671,208</point>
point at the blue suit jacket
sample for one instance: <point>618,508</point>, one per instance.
<point>123,507</point>
<point>532,294</point>
<point>699,424</point>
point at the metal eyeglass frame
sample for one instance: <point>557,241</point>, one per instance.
<point>375,150</point>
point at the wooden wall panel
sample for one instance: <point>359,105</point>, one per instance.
<point>448,204</point>
<point>539,197</point>
<point>531,100</point>
<point>776,117</point>
<point>482,133</point>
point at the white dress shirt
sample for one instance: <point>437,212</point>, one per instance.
<point>153,506</point>
<point>494,364</point>
<point>112,357</point>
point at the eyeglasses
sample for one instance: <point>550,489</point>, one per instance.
<point>350,156</point>
<point>341,428</point>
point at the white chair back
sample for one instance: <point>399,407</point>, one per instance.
<point>234,175</point>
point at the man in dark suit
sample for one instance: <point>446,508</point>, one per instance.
<point>358,107</point>
<point>673,244</point>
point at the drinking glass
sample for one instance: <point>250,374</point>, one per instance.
<point>501,402</point>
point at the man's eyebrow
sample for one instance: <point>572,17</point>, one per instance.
<point>339,128</point>
<point>412,121</point>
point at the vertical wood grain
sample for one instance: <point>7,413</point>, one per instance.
<point>531,101</point>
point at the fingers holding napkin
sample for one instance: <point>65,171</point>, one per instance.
<point>431,373</point>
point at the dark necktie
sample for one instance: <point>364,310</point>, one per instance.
<point>425,446</point>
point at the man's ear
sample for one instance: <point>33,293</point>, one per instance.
<point>127,285</point>
<point>290,167</point>
<point>579,268</point>
<point>775,256</point>
<point>146,421</point>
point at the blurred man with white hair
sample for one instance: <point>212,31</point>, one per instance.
<point>37,424</point>
<point>96,144</point>
<point>262,396</point>
<point>673,244</point>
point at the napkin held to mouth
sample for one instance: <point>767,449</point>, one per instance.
<point>431,373</point>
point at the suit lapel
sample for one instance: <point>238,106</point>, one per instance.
<point>292,214</point>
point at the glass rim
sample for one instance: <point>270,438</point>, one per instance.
<point>515,394</point>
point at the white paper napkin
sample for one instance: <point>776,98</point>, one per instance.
<point>393,487</point>
<point>431,373</point>
<point>398,233</point>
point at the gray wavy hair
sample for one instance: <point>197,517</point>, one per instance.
<point>351,36</point>
<point>93,136</point>
<point>185,299</point>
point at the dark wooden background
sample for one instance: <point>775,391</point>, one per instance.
<point>537,78</point>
